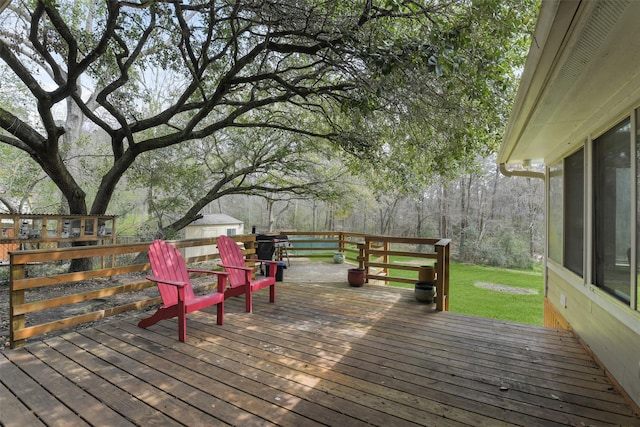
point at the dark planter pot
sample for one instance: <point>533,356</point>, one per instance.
<point>279,270</point>
<point>425,292</point>
<point>356,277</point>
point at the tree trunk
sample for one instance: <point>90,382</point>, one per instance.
<point>494,190</point>
<point>419,215</point>
<point>314,216</point>
<point>270,219</point>
<point>463,220</point>
<point>444,211</point>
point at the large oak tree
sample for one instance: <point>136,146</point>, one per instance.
<point>402,83</point>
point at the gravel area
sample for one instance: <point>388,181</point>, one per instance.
<point>504,288</point>
<point>70,310</point>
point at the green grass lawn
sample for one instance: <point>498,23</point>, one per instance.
<point>468,298</point>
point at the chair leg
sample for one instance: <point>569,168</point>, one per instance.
<point>272,293</point>
<point>220,313</point>
<point>182,322</point>
<point>182,328</point>
<point>249,300</point>
<point>160,314</point>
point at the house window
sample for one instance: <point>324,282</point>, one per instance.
<point>231,232</point>
<point>612,211</point>
<point>574,212</point>
<point>555,213</point>
<point>635,277</point>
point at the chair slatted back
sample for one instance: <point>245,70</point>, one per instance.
<point>167,263</point>
<point>230,254</point>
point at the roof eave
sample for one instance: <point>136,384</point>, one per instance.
<point>554,22</point>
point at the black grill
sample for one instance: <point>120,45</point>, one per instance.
<point>266,247</point>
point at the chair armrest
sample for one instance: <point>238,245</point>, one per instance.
<point>266,261</point>
<point>237,267</point>
<point>221,273</point>
<point>222,277</point>
<point>167,282</point>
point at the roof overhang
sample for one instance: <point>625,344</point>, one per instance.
<point>4,4</point>
<point>582,75</point>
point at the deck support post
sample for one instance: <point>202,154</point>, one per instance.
<point>442,272</point>
<point>16,298</point>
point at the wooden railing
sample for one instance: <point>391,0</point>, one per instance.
<point>373,253</point>
<point>322,244</point>
<point>24,276</point>
<point>32,269</point>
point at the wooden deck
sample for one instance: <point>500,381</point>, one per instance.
<point>324,354</point>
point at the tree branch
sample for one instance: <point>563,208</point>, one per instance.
<point>26,138</point>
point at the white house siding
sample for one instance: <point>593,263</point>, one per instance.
<point>611,333</point>
<point>581,79</point>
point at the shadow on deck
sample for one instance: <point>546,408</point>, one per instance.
<point>323,354</point>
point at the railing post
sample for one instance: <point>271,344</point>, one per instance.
<point>442,271</point>
<point>251,244</point>
<point>446,275</point>
<point>16,297</point>
<point>361,247</point>
<point>385,259</point>
<point>363,258</point>
<point>367,258</point>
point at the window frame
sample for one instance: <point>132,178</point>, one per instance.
<point>607,261</point>
<point>555,212</point>
<point>588,277</point>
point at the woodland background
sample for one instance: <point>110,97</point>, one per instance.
<point>369,116</point>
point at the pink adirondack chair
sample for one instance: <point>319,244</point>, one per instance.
<point>171,275</point>
<point>240,276</point>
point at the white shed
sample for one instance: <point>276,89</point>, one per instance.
<point>211,225</point>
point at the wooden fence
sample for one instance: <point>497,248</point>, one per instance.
<point>373,253</point>
<point>34,269</point>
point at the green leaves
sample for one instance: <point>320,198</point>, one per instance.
<point>412,88</point>
<point>443,85</point>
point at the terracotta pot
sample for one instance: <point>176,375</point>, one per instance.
<point>426,273</point>
<point>356,277</point>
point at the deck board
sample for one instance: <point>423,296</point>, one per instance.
<point>31,383</point>
<point>323,354</point>
<point>11,408</point>
<point>243,383</point>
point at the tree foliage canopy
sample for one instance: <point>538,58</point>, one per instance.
<point>408,86</point>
